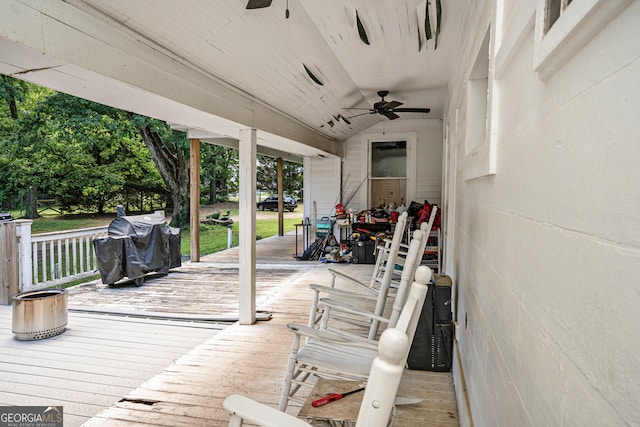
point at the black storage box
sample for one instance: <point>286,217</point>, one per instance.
<point>363,252</point>
<point>432,347</point>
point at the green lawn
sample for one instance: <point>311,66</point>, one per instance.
<point>213,238</point>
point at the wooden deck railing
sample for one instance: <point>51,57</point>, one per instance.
<point>50,259</point>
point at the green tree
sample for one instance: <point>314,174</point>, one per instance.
<point>219,170</point>
<point>18,99</point>
<point>98,148</point>
<point>80,153</point>
<point>170,152</point>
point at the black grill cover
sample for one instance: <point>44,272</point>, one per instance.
<point>136,245</point>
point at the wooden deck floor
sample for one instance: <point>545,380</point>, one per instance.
<point>249,360</point>
<point>96,361</point>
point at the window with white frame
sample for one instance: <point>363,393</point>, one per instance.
<point>552,11</point>
<point>388,182</point>
<point>477,98</point>
<point>563,27</point>
<point>481,113</point>
<point>389,168</point>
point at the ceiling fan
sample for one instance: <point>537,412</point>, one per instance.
<point>388,108</point>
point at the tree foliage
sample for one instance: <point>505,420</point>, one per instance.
<point>170,152</point>
<point>77,152</point>
<point>219,171</point>
<point>84,155</point>
<point>267,176</point>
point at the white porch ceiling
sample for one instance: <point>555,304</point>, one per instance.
<point>259,55</point>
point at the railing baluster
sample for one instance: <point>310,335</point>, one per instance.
<point>66,257</point>
<point>81,254</point>
<point>52,260</point>
<point>74,250</point>
<point>59,263</point>
<point>34,254</point>
<point>43,248</point>
<point>88,264</point>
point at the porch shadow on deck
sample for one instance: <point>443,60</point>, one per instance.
<point>249,360</point>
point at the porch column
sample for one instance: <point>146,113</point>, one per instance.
<point>194,199</point>
<point>280,198</point>
<point>247,227</point>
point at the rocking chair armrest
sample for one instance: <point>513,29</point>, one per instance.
<point>346,277</point>
<point>345,292</point>
<point>344,306</point>
<point>331,337</point>
<point>259,413</point>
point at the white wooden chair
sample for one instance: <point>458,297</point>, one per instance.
<point>387,254</point>
<point>384,377</point>
<point>331,355</point>
<point>346,312</point>
<point>373,301</point>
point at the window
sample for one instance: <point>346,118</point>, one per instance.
<point>477,99</point>
<point>481,115</point>
<point>563,27</point>
<point>388,172</point>
<point>552,12</point>
<point>388,159</point>
<point>389,168</point>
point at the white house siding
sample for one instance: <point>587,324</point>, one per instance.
<point>547,250</point>
<point>428,173</point>
<point>321,185</point>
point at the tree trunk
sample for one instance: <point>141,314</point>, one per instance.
<point>31,210</point>
<point>212,191</point>
<point>174,170</point>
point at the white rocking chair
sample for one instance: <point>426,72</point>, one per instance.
<point>383,379</point>
<point>388,252</point>
<point>372,300</point>
<point>349,311</point>
<point>331,355</point>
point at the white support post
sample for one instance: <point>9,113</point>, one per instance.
<point>194,199</point>
<point>23,231</point>
<point>247,225</point>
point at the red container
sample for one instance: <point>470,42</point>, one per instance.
<point>393,216</point>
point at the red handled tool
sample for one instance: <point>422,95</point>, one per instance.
<point>333,397</point>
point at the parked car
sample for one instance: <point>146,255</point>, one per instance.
<point>271,203</point>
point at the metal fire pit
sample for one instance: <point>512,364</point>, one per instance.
<point>39,314</point>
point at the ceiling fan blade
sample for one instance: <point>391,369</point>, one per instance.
<point>393,104</point>
<point>390,115</point>
<point>411,110</point>
<point>257,4</point>
<point>361,114</point>
<point>356,108</point>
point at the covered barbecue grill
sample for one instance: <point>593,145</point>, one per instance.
<point>137,245</point>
